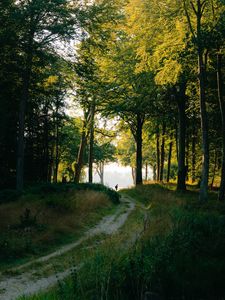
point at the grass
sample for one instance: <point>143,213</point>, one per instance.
<point>41,220</point>
<point>99,256</point>
<point>183,248</point>
<point>178,252</point>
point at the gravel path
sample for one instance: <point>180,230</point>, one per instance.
<point>27,283</point>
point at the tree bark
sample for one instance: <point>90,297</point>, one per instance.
<point>169,161</point>
<point>133,172</point>
<point>202,97</point>
<point>193,146</point>
<point>46,158</point>
<point>100,171</point>
<point>198,38</point>
<point>55,179</point>
<point>214,170</point>
<point>80,157</point>
<point>204,126</point>
<point>221,195</point>
<point>162,159</point>
<point>177,142</point>
<point>146,171</point>
<point>158,153</point>
<point>187,156</point>
<point>21,125</point>
<point>91,146</point>
<point>154,173</point>
<point>138,140</point>
<point>181,101</point>
<point>90,159</point>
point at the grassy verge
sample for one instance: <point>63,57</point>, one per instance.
<point>100,257</point>
<point>48,216</point>
<point>179,255</point>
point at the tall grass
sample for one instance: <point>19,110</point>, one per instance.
<point>48,215</point>
<point>180,255</point>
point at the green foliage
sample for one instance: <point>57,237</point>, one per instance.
<point>104,152</point>
<point>126,149</point>
<point>185,260</point>
<point>188,262</point>
<point>46,189</point>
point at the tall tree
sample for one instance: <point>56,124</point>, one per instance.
<point>197,34</point>
<point>41,24</point>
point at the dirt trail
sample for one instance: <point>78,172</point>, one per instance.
<point>27,283</point>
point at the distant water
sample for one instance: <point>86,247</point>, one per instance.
<point>114,174</point>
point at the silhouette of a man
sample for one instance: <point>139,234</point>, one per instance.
<point>116,187</point>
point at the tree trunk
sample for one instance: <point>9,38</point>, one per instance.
<point>181,101</point>
<point>204,126</point>
<point>193,146</point>
<point>221,195</point>
<point>158,153</point>
<point>133,174</point>
<point>79,163</point>
<point>91,146</point>
<point>90,159</point>
<point>146,171</point>
<point>162,159</point>
<point>56,149</point>
<point>100,171</point>
<point>198,38</point>
<point>154,173</point>
<point>45,167</point>
<point>169,161</point>
<point>177,142</point>
<point>187,157</point>
<point>139,150</point>
<point>214,170</point>
<point>21,125</point>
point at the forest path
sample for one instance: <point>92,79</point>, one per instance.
<point>27,278</point>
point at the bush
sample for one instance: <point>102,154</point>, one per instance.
<point>47,188</point>
<point>62,188</point>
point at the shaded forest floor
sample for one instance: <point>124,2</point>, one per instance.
<point>170,247</point>
<point>46,217</point>
<point>40,273</point>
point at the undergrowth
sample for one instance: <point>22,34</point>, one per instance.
<point>180,254</point>
<point>46,216</point>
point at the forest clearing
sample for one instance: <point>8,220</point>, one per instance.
<point>112,149</point>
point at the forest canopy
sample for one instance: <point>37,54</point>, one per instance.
<point>156,67</point>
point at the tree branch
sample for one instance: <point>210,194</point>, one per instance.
<point>189,19</point>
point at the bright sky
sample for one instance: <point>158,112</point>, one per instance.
<point>117,174</point>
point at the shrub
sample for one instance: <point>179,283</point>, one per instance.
<point>47,189</point>
<point>62,188</point>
